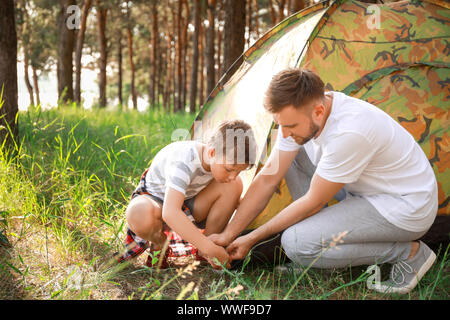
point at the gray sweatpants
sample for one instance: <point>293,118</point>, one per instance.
<point>369,238</point>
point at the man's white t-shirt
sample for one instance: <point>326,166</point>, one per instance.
<point>376,158</point>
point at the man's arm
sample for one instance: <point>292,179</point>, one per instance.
<point>258,194</point>
<point>321,191</point>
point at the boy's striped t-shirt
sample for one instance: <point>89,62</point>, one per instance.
<point>177,166</point>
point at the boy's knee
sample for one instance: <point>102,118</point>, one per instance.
<point>142,217</point>
<point>238,187</point>
<point>233,188</point>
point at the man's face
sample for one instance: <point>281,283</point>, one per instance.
<point>296,123</point>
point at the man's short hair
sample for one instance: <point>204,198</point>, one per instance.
<point>294,86</point>
<point>234,143</point>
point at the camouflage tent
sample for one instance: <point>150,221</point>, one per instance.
<point>394,55</point>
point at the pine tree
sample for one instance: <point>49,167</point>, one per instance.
<point>8,74</point>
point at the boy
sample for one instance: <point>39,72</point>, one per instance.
<point>190,185</point>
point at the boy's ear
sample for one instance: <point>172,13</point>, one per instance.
<point>211,152</point>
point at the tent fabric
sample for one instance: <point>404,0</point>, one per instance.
<point>394,55</point>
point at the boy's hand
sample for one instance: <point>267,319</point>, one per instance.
<point>220,239</point>
<point>218,252</point>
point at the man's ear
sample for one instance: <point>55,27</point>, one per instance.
<point>318,111</point>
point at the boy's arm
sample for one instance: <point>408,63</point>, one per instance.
<point>258,195</point>
<point>179,222</point>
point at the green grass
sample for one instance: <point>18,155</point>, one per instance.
<point>63,196</point>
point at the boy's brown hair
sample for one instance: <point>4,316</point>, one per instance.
<point>294,86</point>
<point>229,138</point>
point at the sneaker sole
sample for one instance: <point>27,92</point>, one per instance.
<point>289,269</point>
<point>406,289</point>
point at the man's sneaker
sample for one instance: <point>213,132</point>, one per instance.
<point>290,267</point>
<point>407,273</point>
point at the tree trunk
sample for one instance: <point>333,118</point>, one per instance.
<point>162,61</point>
<point>202,65</point>
<point>65,52</point>
<point>132,68</point>
<point>209,49</point>
<point>296,5</point>
<point>185,56</point>
<point>8,74</point>
<point>101,29</point>
<point>172,62</point>
<point>168,59</point>
<point>169,78</point>
<point>234,32</point>
<point>26,65</point>
<point>79,49</point>
<point>195,52</point>
<point>249,22</point>
<point>23,33</point>
<point>153,53</point>
<point>281,5</point>
<point>119,71</point>
<point>219,35</point>
<point>179,58</point>
<point>36,85</point>
<point>273,15</point>
<point>256,18</point>
<point>161,58</point>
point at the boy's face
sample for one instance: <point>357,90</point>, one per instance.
<point>224,172</point>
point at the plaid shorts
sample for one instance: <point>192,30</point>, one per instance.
<point>135,245</point>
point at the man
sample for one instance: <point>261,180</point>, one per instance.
<point>332,145</point>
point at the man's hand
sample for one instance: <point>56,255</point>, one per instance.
<point>240,247</point>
